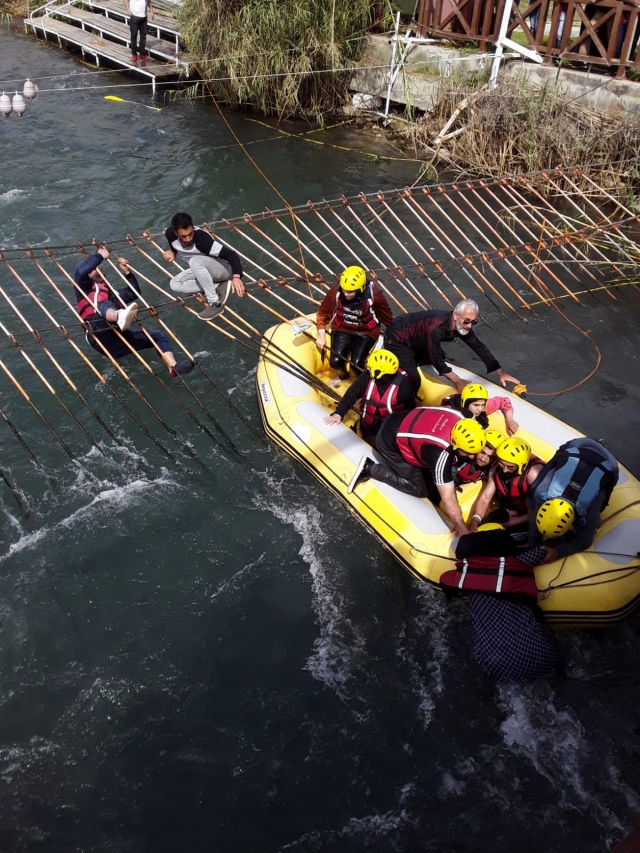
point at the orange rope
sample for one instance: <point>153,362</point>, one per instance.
<point>262,174</point>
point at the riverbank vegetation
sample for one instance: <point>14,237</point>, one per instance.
<point>519,128</point>
<point>278,57</point>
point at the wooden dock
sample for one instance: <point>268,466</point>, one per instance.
<point>101,31</point>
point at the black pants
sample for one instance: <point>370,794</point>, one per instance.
<point>407,359</point>
<point>347,347</point>
<point>396,471</point>
<point>138,25</point>
<point>113,343</point>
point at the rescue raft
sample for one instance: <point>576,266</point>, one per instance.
<point>596,588</point>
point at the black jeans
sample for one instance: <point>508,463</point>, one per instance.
<point>343,344</point>
<point>138,25</point>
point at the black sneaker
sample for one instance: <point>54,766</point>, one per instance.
<point>183,367</point>
<point>362,474</point>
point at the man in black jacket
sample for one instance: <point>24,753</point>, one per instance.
<point>210,265</point>
<point>416,339</point>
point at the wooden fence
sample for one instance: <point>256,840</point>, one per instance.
<point>604,33</point>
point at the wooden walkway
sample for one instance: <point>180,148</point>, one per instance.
<point>101,31</point>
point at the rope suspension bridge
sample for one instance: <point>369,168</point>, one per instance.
<point>502,242</point>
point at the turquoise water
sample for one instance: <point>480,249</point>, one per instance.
<point>202,650</point>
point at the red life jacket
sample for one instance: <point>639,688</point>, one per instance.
<point>359,317</point>
<point>511,492</point>
<point>374,403</point>
<point>425,426</point>
<point>88,305</point>
<point>501,575</point>
<point>469,473</point>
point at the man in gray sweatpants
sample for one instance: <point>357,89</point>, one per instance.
<point>214,269</point>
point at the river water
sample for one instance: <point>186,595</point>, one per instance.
<point>206,653</point>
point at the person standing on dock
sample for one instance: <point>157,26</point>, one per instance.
<point>210,265</point>
<point>417,339</point>
<point>137,11</point>
<point>95,304</point>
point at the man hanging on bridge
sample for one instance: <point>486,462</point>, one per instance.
<point>95,306</point>
<point>213,268</point>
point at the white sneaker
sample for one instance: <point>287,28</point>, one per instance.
<point>126,315</point>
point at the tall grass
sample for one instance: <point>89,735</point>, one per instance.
<point>266,54</point>
<point>520,128</point>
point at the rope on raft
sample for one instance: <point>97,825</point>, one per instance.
<point>503,238</point>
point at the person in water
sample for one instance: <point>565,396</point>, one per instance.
<point>474,402</point>
<point>214,269</point>
<point>417,339</point>
<point>355,309</point>
<point>509,483</point>
<point>96,306</point>
<point>567,498</point>
<point>382,390</point>
<point>419,450</point>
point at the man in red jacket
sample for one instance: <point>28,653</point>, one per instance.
<point>355,309</point>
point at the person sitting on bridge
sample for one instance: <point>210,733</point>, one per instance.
<point>355,309</point>
<point>570,493</point>
<point>509,482</point>
<point>95,305</point>
<point>474,402</point>
<point>416,339</point>
<point>382,390</point>
<point>419,449</point>
<point>213,268</point>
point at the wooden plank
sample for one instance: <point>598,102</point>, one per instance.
<point>98,47</point>
<point>114,29</point>
<point>165,22</point>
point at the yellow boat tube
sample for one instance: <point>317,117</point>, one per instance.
<point>598,587</point>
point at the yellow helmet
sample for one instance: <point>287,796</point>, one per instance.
<point>516,451</point>
<point>382,362</point>
<point>473,391</point>
<point>555,517</point>
<point>353,278</point>
<point>468,436</point>
<point>490,525</point>
<point>494,437</point>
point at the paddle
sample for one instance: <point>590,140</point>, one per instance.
<point>122,101</point>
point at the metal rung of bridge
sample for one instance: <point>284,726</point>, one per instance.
<point>100,28</point>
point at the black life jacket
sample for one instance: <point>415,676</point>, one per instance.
<point>581,473</point>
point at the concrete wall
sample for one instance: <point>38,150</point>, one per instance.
<point>418,82</point>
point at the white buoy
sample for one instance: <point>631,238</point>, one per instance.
<point>18,104</point>
<point>5,105</point>
<point>29,90</point>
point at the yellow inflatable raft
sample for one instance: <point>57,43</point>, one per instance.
<point>594,588</point>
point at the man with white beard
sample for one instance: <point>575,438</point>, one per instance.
<point>416,339</point>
